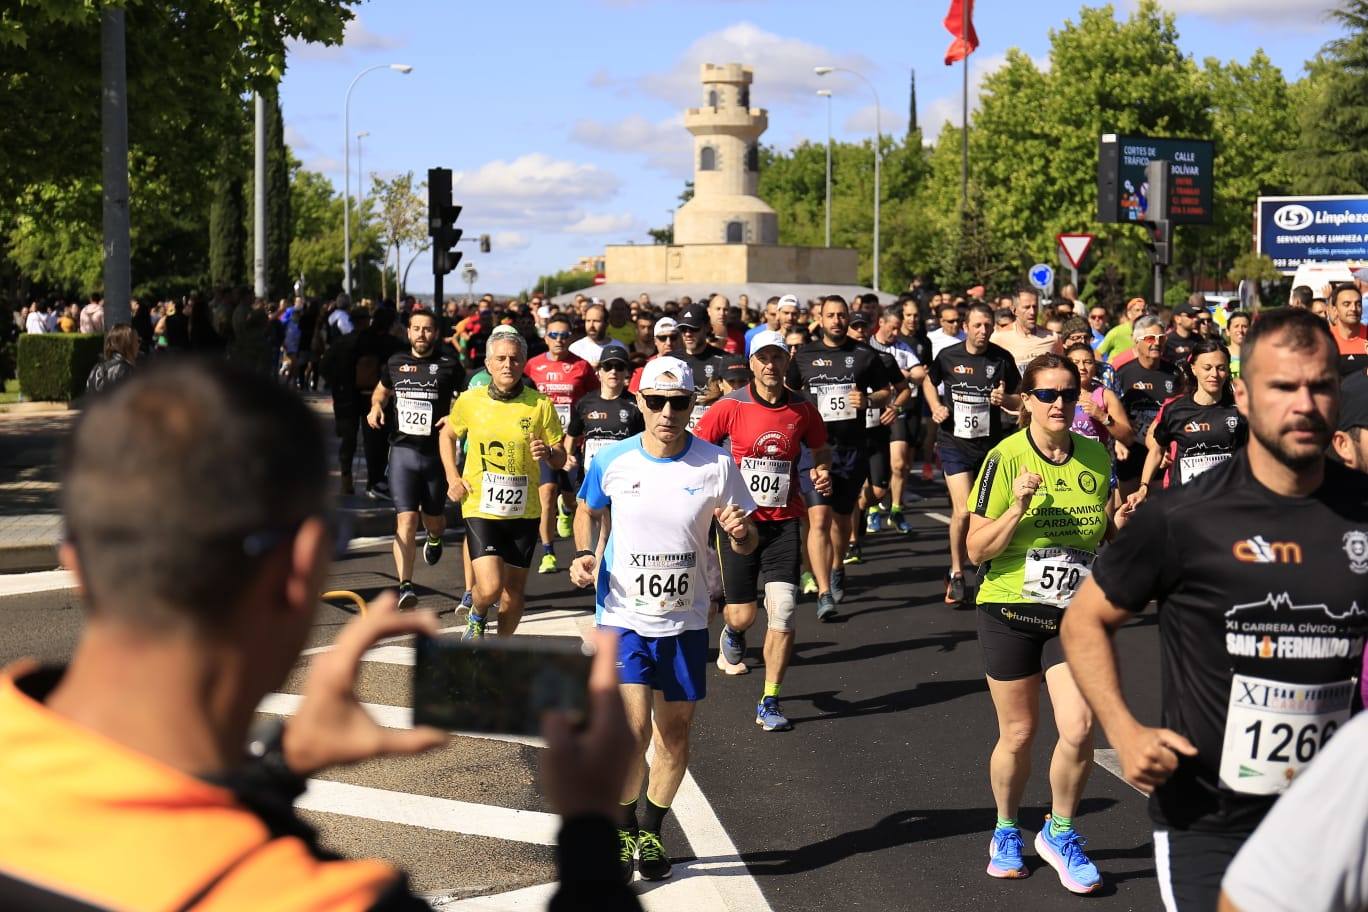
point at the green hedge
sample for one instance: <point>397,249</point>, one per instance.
<point>53,367</point>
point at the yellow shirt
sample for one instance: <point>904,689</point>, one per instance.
<point>499,468</point>
<point>626,333</point>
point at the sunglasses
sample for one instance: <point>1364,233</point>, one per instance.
<point>955,322</point>
<point>1151,339</point>
<point>658,403</point>
<point>614,366</point>
<point>558,335</point>
<point>1048,396</point>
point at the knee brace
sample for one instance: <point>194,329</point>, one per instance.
<point>781,600</point>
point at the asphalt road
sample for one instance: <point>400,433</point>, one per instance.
<point>878,799</point>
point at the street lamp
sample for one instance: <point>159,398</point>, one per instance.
<point>826,93</point>
<point>878,139</point>
<point>346,155</point>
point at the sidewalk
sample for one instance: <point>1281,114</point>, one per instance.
<point>30,518</point>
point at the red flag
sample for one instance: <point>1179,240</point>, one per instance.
<point>960,23</point>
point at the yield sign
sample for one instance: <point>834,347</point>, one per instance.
<point>1075,247</point>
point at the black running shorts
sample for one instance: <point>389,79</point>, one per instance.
<point>849,470</point>
<point>776,559</point>
<point>1011,654</point>
<point>417,482</point>
<point>510,540</point>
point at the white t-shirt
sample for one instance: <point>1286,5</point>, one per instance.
<point>652,579</point>
<point>588,349</point>
<point>940,340</point>
<point>36,323</point>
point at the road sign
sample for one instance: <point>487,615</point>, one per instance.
<point>1042,276</point>
<point>1075,247</point>
<point>1123,189</point>
<point>1292,230</point>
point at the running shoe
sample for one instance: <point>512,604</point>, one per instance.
<point>407,597</point>
<point>853,555</point>
<point>875,522</point>
<point>475,628</point>
<point>808,583</point>
<point>377,494</point>
<point>731,646</point>
<point>770,717</point>
<point>1004,854</point>
<point>928,471</point>
<point>564,527</point>
<point>1065,854</point>
<point>826,607</point>
<point>838,585</point>
<point>954,589</point>
<point>652,861</point>
<point>432,551</point>
<point>899,522</point>
<point>627,846</point>
<point>467,600</point>
<point>548,564</point>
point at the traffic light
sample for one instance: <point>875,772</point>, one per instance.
<point>1157,212</point>
<point>442,217</point>
<point>484,243</point>
<point>1161,241</point>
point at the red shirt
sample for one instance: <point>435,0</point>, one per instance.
<point>563,381</point>
<point>763,438</point>
<point>634,385</point>
<point>735,341</point>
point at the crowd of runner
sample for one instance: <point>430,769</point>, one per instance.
<point>711,457</point>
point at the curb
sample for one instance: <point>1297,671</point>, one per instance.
<point>37,408</point>
<point>28,558</point>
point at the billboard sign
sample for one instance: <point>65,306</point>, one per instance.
<point>1292,230</point>
<point>1122,189</point>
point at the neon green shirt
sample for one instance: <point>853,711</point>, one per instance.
<point>1052,549</point>
<point>1117,339</point>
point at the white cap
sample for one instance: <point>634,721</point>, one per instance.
<point>789,300</point>
<point>666,326</point>
<point>666,374</point>
<point>766,338</point>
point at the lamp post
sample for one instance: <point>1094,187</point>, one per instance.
<point>346,155</point>
<point>878,139</point>
<point>826,93</point>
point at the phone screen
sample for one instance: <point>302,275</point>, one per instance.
<point>498,686</point>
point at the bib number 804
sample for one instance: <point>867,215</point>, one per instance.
<point>662,585</point>
<point>764,484</point>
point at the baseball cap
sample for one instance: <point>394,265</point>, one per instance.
<point>613,351</point>
<point>789,300</point>
<point>693,317</point>
<point>765,338</point>
<point>736,370</point>
<point>859,318</point>
<point>1354,402</point>
<point>665,326</point>
<point>666,374</point>
<point>504,329</point>
<point>1187,310</point>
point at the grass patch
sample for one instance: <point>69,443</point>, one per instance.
<point>11,392</point>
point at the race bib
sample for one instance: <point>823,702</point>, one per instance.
<point>971,419</point>
<point>696,416</point>
<point>1053,574</point>
<point>504,495</point>
<point>872,417</point>
<point>591,449</point>
<point>415,416</point>
<point>1273,730</point>
<point>658,584</point>
<point>833,401</point>
<point>768,480</point>
<point>1189,467</point>
<point>1143,419</point>
<point>563,413</point>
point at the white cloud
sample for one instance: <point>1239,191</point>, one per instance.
<point>666,145</point>
<point>948,110</point>
<point>621,223</point>
<point>532,190</point>
<point>356,38</point>
<point>783,67</point>
<point>1306,13</point>
<point>505,241</point>
<point>864,121</point>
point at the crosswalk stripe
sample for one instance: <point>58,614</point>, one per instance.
<point>1107,759</point>
<point>430,813</point>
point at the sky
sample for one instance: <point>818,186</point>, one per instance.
<point>562,119</point>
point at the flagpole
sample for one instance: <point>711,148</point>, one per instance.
<point>964,112</point>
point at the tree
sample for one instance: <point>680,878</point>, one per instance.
<point>279,225</point>
<point>1332,155</point>
<point>316,246</point>
<point>401,217</point>
<point>228,219</point>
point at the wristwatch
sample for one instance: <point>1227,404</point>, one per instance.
<point>1110,420</point>
<point>583,552</point>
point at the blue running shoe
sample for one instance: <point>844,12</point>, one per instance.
<point>475,628</point>
<point>468,600</point>
<point>732,645</point>
<point>1065,854</point>
<point>875,521</point>
<point>770,717</point>
<point>1004,854</point>
<point>838,585</point>
<point>899,522</point>
<point>826,607</point>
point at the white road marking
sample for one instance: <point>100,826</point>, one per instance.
<point>938,517</point>
<point>1107,759</point>
<point>430,813</point>
<point>29,583</point>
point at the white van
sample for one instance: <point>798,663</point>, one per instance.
<point>1317,275</point>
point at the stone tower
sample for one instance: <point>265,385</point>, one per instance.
<point>726,131</point>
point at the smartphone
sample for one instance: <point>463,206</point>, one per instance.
<point>498,686</point>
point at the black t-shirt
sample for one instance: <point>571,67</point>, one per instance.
<point>707,365</point>
<point>1261,603</point>
<point>975,425</point>
<point>1204,436</point>
<point>829,374</point>
<point>1143,391</point>
<point>1176,348</point>
<point>423,389</point>
<point>596,421</point>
